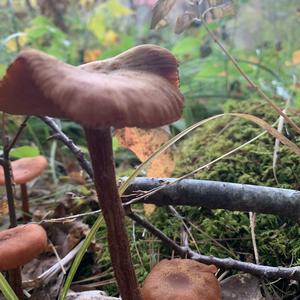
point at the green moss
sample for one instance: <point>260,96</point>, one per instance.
<point>278,239</point>
<point>252,164</point>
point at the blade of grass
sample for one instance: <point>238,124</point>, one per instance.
<point>6,289</point>
<point>284,140</point>
<point>79,257</point>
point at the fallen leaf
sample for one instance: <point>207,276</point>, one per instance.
<point>143,142</point>
<point>241,287</point>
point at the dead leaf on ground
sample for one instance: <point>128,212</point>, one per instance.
<point>241,287</point>
<point>143,142</point>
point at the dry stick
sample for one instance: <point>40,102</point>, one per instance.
<point>215,194</point>
<point>59,135</point>
<point>16,137</point>
<point>226,263</point>
<point>248,79</point>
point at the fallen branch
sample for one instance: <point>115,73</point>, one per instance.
<point>225,263</point>
<point>214,194</point>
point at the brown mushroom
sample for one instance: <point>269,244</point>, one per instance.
<point>181,279</point>
<point>25,170</point>
<point>21,244</point>
<point>136,88</point>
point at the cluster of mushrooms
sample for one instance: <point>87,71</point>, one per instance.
<point>138,88</point>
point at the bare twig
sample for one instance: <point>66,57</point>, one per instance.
<point>226,263</point>
<point>17,135</point>
<point>59,135</point>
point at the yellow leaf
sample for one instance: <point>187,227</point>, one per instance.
<point>110,38</point>
<point>296,57</point>
<point>91,55</point>
<point>143,142</point>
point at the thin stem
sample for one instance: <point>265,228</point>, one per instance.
<point>9,191</point>
<point>101,152</point>
<point>59,135</point>
<point>15,281</point>
<point>20,130</point>
<point>25,203</point>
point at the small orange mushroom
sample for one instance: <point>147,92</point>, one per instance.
<point>25,170</point>
<point>21,244</point>
<point>181,279</point>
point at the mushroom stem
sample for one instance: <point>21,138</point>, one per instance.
<point>15,280</point>
<point>101,152</point>
<point>25,202</point>
<point>9,191</point>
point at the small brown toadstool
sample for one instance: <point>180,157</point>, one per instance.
<point>138,88</point>
<point>21,244</point>
<point>25,170</point>
<point>181,279</point>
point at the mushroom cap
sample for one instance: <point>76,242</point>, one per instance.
<point>21,244</point>
<point>138,88</point>
<point>25,169</point>
<point>181,279</point>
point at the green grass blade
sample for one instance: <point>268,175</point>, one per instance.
<point>6,289</point>
<point>79,257</point>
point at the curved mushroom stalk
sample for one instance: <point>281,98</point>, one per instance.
<point>138,88</point>
<point>101,152</point>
